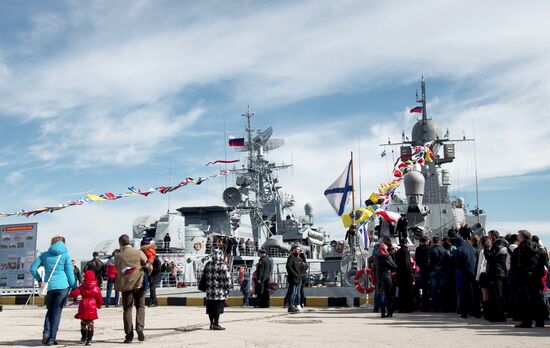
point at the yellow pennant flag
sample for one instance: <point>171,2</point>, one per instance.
<point>94,197</point>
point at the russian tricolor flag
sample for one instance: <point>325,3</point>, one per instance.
<point>417,109</point>
<point>236,141</point>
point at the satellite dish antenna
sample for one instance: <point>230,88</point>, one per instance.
<point>232,196</point>
<point>263,137</point>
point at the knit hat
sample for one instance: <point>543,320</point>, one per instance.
<point>147,241</point>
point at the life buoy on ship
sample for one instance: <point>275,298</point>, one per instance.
<point>197,246</point>
<point>358,284</point>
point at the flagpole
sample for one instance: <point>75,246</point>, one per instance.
<point>360,171</point>
<point>352,191</point>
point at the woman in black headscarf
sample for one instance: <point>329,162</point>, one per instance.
<point>218,284</point>
<point>384,268</point>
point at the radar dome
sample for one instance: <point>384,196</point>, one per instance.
<point>432,132</point>
<point>309,209</point>
<point>414,183</point>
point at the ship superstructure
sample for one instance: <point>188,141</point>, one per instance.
<point>428,207</point>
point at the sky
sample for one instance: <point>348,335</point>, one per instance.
<point>98,96</point>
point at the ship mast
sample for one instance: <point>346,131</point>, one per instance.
<point>424,113</point>
<point>249,131</point>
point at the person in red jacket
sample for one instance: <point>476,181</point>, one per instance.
<point>90,303</point>
<point>111,280</point>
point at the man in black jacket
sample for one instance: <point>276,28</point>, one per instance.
<point>154,281</point>
<point>404,277</point>
<point>98,267</point>
<point>402,227</point>
<point>263,273</point>
<point>529,266</point>
<point>294,278</point>
<point>422,258</point>
<point>167,241</point>
<point>77,273</point>
<point>496,253</point>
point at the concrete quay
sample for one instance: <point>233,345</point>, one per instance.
<point>183,326</point>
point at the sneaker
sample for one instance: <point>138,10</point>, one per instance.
<point>298,307</point>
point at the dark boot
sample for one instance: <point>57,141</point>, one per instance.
<point>90,334</point>
<point>216,325</point>
<point>83,332</point>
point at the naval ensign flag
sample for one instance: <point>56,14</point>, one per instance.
<point>338,193</point>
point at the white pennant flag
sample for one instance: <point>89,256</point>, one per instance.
<point>362,237</point>
<point>338,193</point>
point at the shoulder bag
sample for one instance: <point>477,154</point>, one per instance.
<point>43,291</point>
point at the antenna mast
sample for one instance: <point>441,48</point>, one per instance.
<point>424,112</point>
<point>249,131</point>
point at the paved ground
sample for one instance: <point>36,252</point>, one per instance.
<point>352,327</point>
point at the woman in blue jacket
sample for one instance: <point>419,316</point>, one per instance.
<point>58,287</point>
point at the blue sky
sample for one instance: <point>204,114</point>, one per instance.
<point>95,97</point>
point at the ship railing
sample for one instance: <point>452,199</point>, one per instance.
<point>316,275</point>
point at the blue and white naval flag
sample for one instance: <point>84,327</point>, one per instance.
<point>338,193</point>
<point>362,236</point>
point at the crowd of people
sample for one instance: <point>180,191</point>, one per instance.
<point>493,277</point>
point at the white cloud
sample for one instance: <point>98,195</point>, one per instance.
<point>100,138</point>
<point>106,96</point>
<point>14,177</point>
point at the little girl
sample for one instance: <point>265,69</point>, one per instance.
<point>149,248</point>
<point>90,303</point>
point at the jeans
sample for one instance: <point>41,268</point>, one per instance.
<point>294,291</point>
<point>55,301</point>
<point>437,279</point>
<point>385,285</point>
<point>377,300</point>
<point>468,299</point>
<point>145,282</point>
<point>110,284</point>
<point>245,289</point>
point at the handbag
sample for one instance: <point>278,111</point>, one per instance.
<point>43,291</point>
<point>202,282</point>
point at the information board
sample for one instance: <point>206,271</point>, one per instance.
<point>17,253</point>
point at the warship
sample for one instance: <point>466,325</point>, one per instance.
<point>427,205</point>
<point>256,214</point>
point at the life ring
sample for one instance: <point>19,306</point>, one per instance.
<point>197,246</point>
<point>358,286</point>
